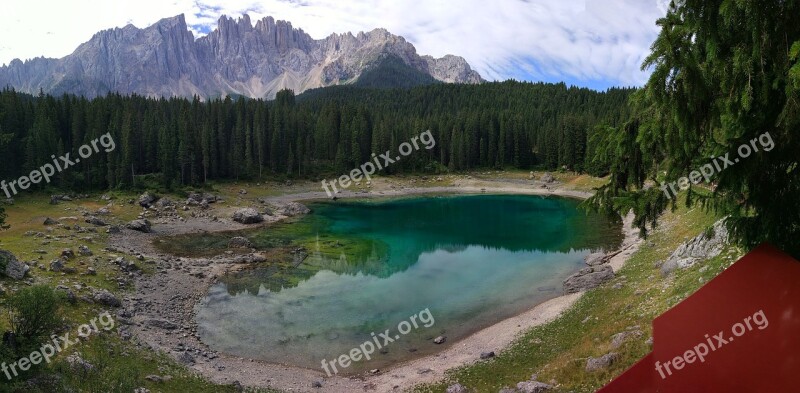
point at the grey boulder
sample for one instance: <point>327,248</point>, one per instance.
<point>247,216</point>
<point>588,278</point>
<point>13,267</point>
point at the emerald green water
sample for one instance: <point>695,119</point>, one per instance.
<point>471,260</point>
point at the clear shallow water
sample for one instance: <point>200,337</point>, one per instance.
<point>471,260</point>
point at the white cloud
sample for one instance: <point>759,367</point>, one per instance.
<point>591,40</point>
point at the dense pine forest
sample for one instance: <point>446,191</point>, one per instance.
<point>178,142</point>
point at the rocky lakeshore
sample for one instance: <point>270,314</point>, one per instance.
<point>160,314</point>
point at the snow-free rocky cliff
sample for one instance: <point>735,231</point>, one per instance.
<point>237,58</point>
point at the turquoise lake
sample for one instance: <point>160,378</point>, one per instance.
<point>471,260</point>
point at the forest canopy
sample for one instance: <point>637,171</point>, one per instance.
<point>183,142</point>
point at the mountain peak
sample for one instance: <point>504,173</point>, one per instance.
<point>237,57</point>
<point>176,23</point>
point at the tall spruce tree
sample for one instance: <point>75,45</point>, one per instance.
<point>725,73</point>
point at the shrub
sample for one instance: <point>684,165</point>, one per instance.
<point>34,314</point>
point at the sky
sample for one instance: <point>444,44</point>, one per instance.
<point>590,43</point>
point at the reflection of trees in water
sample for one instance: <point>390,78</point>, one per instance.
<point>354,238</point>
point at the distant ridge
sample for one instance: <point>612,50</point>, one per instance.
<point>236,58</point>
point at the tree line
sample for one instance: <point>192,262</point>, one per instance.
<point>178,142</point>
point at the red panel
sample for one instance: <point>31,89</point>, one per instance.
<point>755,305</point>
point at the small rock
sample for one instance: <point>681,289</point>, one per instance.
<point>50,221</point>
<point>186,358</point>
<point>487,355</point>
<point>84,251</point>
<point>247,216</point>
<point>162,323</point>
<point>78,364</point>
<point>703,246</point>
<point>294,209</point>
<point>594,259</point>
<point>96,221</point>
<point>457,388</point>
<point>106,298</point>
<point>164,203</point>
<point>140,225</point>
<point>154,378</point>
<point>620,338</point>
<point>533,387</point>
<point>14,268</point>
<point>588,278</point>
<point>147,199</point>
<point>601,363</point>
<point>439,340</point>
<point>56,265</point>
<point>239,242</point>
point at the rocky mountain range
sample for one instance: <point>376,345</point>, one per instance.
<point>237,58</point>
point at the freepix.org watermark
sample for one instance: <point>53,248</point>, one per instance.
<point>700,351</point>
<point>717,165</point>
<point>365,350</point>
<point>59,343</point>
<point>46,171</point>
<point>379,162</point>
